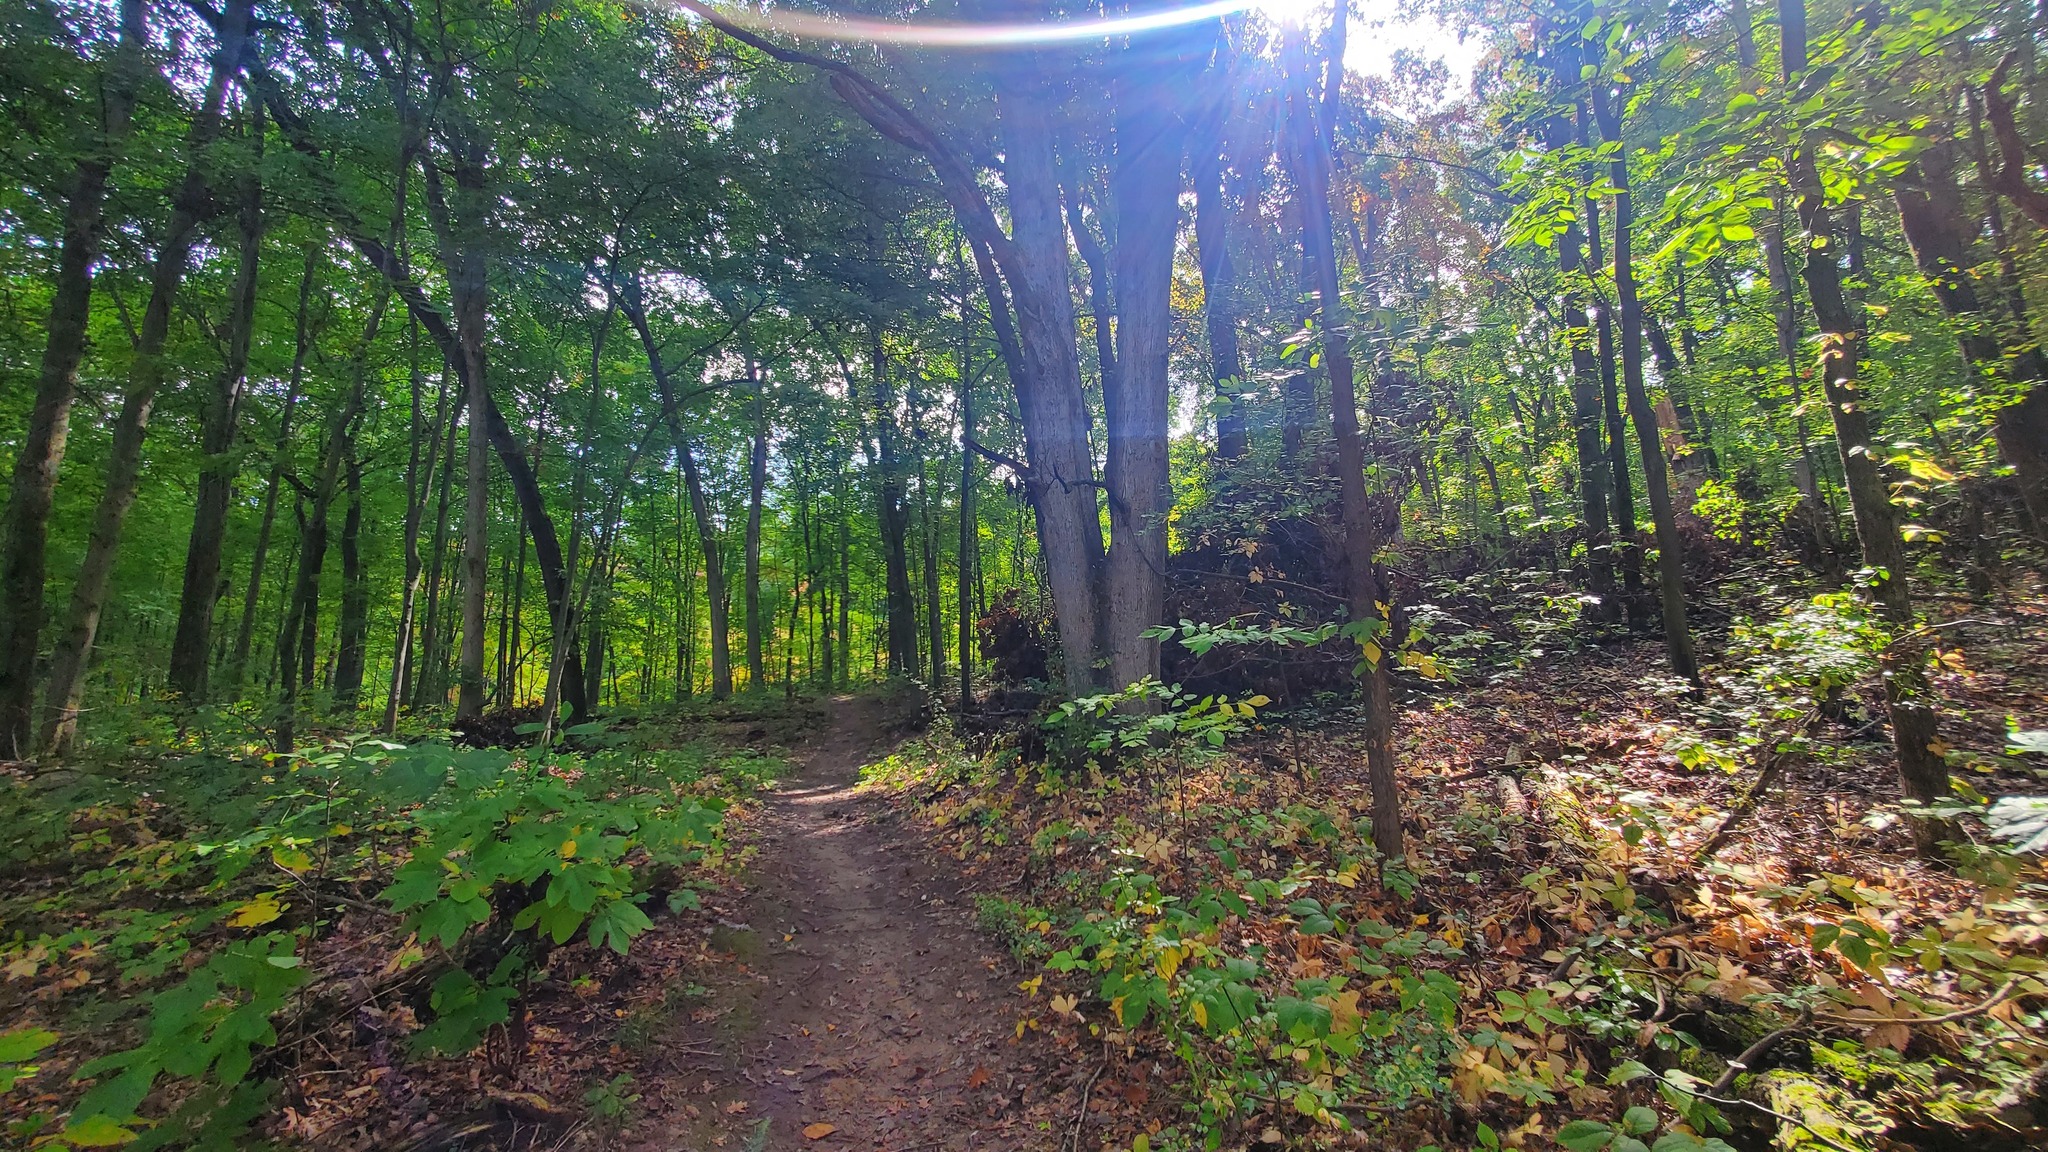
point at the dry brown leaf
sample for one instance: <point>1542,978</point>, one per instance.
<point>819,1130</point>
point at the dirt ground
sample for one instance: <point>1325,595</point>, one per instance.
<point>849,989</point>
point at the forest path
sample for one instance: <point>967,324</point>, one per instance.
<point>851,990</point>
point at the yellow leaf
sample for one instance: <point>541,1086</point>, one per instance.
<point>292,860</point>
<point>262,910</point>
<point>1169,963</point>
<point>1030,987</point>
<point>568,849</point>
<point>1259,701</point>
<point>1371,652</point>
<point>819,1131</point>
<point>97,1132</point>
<point>1200,1010</point>
<point>1065,1005</point>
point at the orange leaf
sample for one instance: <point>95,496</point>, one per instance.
<point>819,1130</point>
<point>978,1077</point>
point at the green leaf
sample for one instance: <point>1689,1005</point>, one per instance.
<point>97,1132</point>
<point>23,1043</point>
<point>1639,1120</point>
<point>1585,1135</point>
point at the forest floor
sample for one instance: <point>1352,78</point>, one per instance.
<point>842,997</point>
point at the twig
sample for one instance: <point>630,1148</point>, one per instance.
<point>1756,1051</point>
<point>1073,1139</point>
<point>1740,1102</point>
<point>2004,992</point>
<point>1773,762</point>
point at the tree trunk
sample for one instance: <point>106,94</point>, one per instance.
<point>1594,470</point>
<point>900,611</point>
<point>280,461</point>
<point>1649,442</point>
<point>353,629</point>
<point>429,682</point>
<point>1922,772</point>
<point>1050,403</point>
<point>192,641</point>
<point>1930,204</point>
<point>25,530</point>
<point>189,206</point>
<point>1157,74</point>
<point>757,487</point>
<point>970,540</point>
<point>1365,591</point>
<point>1219,287</point>
<point>419,474</point>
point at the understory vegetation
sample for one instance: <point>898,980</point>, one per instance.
<point>1626,917</point>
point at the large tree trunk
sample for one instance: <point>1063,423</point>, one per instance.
<point>1050,403</point>
<point>25,530</point>
<point>1157,74</point>
<point>189,206</point>
<point>1922,772</point>
<point>1656,474</point>
<point>1366,592</point>
<point>757,488</point>
<point>192,640</point>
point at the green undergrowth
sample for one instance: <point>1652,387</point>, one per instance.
<point>176,928</point>
<point>1548,971</point>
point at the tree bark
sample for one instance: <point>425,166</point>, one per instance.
<point>352,631</point>
<point>1656,474</point>
<point>1922,772</point>
<point>419,478</point>
<point>280,461</point>
<point>1366,592</point>
<point>899,610</point>
<point>1930,203</point>
<point>192,640</point>
<point>1156,74</point>
<point>25,530</point>
<point>190,205</point>
<point>757,487</point>
<point>1219,287</point>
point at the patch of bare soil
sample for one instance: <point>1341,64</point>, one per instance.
<point>846,1002</point>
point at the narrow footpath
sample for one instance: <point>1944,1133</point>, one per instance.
<point>850,1003</point>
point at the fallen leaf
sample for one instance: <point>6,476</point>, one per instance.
<point>819,1130</point>
<point>736,1107</point>
<point>978,1077</point>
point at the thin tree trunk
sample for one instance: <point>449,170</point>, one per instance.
<point>901,613</point>
<point>192,642</point>
<point>419,474</point>
<point>1219,286</point>
<point>429,682</point>
<point>1656,475</point>
<point>189,207</point>
<point>280,462</point>
<point>1366,591</point>
<point>353,629</point>
<point>757,488</point>
<point>25,529</point>
<point>970,539</point>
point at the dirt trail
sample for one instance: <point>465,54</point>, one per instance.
<point>851,990</point>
